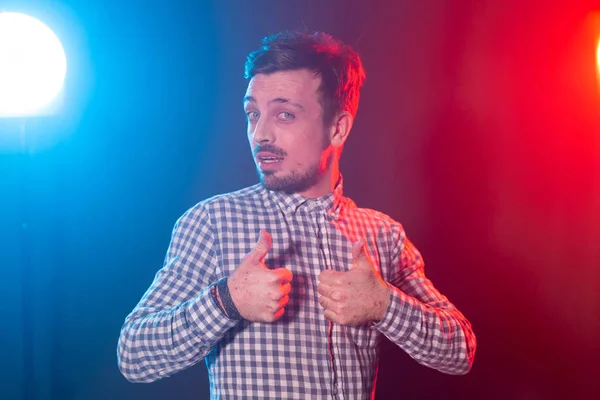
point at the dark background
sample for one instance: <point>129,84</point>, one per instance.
<point>478,129</point>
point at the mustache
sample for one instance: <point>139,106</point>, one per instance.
<point>269,148</point>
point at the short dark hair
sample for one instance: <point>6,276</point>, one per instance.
<point>339,66</point>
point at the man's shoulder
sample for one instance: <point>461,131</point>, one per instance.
<point>246,198</point>
<point>375,217</point>
<point>242,196</point>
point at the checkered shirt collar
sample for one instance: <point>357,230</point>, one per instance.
<point>330,203</point>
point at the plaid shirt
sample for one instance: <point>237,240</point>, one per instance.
<point>301,356</point>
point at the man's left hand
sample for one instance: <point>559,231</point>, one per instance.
<point>354,297</point>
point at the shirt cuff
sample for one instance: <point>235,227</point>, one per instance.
<point>207,319</point>
<point>399,317</point>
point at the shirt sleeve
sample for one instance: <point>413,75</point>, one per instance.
<point>177,321</point>
<point>422,321</point>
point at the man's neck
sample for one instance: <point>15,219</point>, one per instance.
<point>326,185</point>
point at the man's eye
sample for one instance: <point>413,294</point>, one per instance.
<point>252,115</point>
<point>285,116</point>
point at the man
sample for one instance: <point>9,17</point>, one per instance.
<point>285,288</point>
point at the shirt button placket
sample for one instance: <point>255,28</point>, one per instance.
<point>321,263</point>
<point>322,222</point>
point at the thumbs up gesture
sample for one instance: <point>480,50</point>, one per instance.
<point>354,297</point>
<point>260,294</point>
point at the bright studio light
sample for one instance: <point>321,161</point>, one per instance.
<point>32,66</point>
<point>598,56</point>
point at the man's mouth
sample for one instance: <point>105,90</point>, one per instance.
<point>268,160</point>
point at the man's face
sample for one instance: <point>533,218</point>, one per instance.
<point>290,145</point>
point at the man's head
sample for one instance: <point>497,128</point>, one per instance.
<point>301,100</point>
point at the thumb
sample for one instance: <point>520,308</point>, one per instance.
<point>359,257</point>
<point>262,247</point>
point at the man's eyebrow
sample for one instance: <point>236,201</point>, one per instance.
<point>280,100</point>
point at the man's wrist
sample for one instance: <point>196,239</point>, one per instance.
<point>215,294</point>
<point>227,302</point>
<point>383,304</point>
<point>221,296</point>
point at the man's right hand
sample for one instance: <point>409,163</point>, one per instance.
<point>260,294</point>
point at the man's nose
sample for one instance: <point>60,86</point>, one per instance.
<point>263,133</point>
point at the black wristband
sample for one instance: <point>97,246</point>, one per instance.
<point>230,308</point>
<point>215,297</point>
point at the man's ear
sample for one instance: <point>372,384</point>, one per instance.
<point>340,129</point>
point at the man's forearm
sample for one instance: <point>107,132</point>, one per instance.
<point>440,338</point>
<point>158,343</point>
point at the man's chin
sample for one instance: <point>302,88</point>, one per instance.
<point>285,184</point>
<point>270,182</point>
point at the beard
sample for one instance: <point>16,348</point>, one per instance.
<point>292,182</point>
